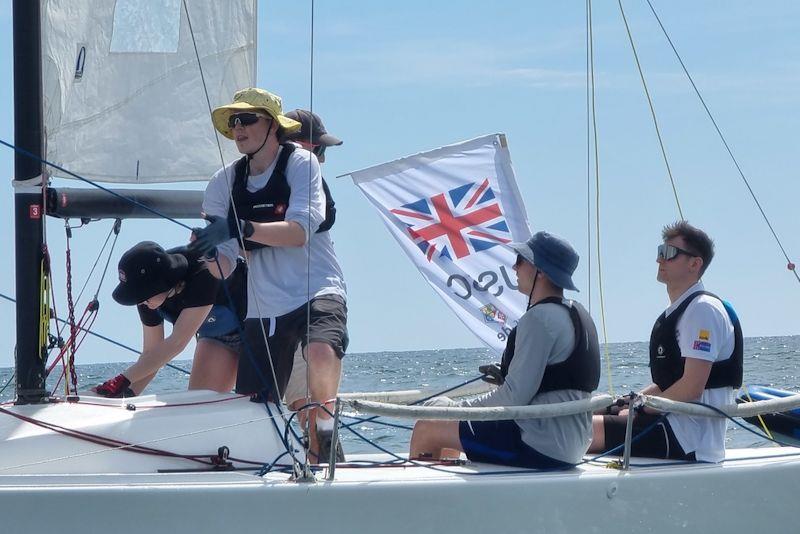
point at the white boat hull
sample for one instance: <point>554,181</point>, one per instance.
<point>97,488</point>
<point>736,496</point>
<point>186,423</point>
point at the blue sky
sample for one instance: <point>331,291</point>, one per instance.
<point>392,79</point>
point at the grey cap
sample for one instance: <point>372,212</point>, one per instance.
<point>553,255</point>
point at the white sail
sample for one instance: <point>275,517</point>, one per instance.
<point>451,210</point>
<point>123,97</point>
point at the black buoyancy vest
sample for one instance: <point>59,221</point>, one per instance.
<point>581,370</point>
<point>269,204</point>
<point>666,362</point>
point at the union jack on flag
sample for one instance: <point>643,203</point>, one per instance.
<point>458,223</point>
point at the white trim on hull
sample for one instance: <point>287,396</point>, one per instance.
<point>736,496</point>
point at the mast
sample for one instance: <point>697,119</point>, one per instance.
<point>28,209</point>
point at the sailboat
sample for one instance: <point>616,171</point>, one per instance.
<point>206,462</point>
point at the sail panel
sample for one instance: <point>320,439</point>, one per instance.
<point>123,96</point>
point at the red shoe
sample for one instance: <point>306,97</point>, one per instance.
<point>117,387</point>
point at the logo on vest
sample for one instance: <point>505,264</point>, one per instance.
<point>660,351</point>
<point>122,277</point>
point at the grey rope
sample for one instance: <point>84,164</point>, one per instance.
<point>725,143</point>
<point>652,110</point>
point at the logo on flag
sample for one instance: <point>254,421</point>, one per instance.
<point>492,315</point>
<point>455,224</point>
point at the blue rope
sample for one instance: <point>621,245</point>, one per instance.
<point>104,338</point>
<point>429,397</point>
<point>93,184</point>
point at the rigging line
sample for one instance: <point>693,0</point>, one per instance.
<point>597,204</point>
<point>652,109</point>
<point>240,239</point>
<point>760,419</point>
<point>588,168</point>
<point>725,143</point>
<point>117,226</point>
<point>104,338</point>
<point>420,401</point>
<point>122,447</point>
<point>94,266</point>
<point>307,422</point>
<point>93,184</point>
<point>10,379</point>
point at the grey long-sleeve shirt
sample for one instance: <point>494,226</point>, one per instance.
<point>545,335</point>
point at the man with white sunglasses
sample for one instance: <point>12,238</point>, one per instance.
<point>696,353</point>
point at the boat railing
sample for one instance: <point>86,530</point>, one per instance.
<point>411,396</point>
<point>495,413</point>
<point>597,402</point>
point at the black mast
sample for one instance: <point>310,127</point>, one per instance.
<point>28,210</point>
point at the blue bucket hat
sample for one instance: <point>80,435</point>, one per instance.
<point>553,255</point>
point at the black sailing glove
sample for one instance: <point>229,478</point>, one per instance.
<point>492,374</point>
<point>219,230</point>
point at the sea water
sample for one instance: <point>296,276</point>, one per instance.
<point>772,361</point>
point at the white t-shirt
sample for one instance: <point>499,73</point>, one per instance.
<point>282,279</point>
<point>705,332</point>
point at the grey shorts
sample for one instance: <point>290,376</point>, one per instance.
<point>328,324</point>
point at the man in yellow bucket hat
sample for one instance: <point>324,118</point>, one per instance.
<point>271,202</point>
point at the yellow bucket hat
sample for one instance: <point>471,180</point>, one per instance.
<point>252,99</point>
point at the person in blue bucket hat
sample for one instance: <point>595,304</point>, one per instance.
<point>551,356</point>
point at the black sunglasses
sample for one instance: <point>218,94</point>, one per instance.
<point>244,119</point>
<point>669,252</point>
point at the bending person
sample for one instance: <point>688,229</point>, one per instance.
<point>551,356</point>
<point>295,291</point>
<point>177,286</point>
<point>696,350</point>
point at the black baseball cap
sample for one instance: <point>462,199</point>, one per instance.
<point>311,129</point>
<point>147,270</point>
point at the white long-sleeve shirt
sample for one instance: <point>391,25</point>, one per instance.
<point>282,279</point>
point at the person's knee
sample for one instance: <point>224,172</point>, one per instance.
<point>321,353</point>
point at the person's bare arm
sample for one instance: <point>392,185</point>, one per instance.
<point>151,337</point>
<point>156,356</point>
<point>690,386</point>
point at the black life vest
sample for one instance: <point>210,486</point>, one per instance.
<point>666,362</point>
<point>269,204</point>
<point>581,370</point>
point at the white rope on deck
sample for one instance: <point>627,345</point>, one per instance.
<point>746,409</point>
<point>451,413</point>
<point>409,396</point>
<point>481,414</point>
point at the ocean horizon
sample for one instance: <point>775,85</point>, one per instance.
<point>773,361</point>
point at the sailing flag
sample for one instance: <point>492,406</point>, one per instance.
<point>452,210</point>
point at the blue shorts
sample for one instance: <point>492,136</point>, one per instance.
<point>500,442</point>
<point>231,340</point>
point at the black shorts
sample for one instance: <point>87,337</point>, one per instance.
<point>500,442</point>
<point>328,324</point>
<point>655,437</point>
